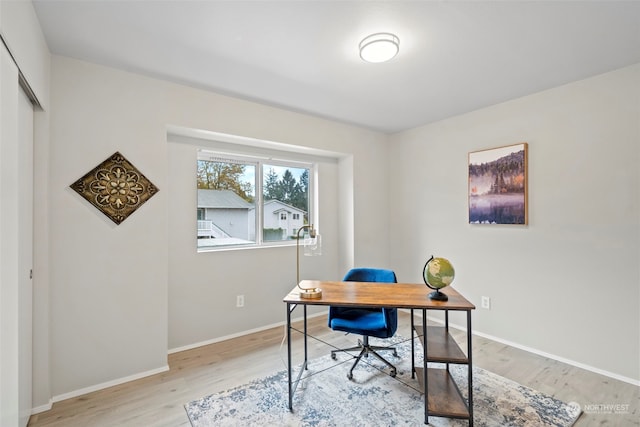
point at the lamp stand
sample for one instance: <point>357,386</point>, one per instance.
<point>305,293</point>
<point>313,293</point>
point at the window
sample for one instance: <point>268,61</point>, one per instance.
<point>247,201</point>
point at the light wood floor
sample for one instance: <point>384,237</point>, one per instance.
<point>158,400</point>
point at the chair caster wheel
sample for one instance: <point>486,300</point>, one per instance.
<point>395,353</point>
<point>393,373</point>
<point>350,375</point>
<point>333,356</point>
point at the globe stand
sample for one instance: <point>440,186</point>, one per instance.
<point>438,296</point>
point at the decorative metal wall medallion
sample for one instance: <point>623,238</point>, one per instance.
<point>115,187</point>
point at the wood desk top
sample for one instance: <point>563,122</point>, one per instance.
<point>368,294</point>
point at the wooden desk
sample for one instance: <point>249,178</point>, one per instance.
<point>442,396</point>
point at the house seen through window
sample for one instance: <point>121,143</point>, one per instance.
<point>245,201</point>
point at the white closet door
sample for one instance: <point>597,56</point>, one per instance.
<point>8,240</point>
<point>25,256</point>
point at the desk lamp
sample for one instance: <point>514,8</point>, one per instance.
<point>312,247</point>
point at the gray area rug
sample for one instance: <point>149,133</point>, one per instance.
<point>325,397</point>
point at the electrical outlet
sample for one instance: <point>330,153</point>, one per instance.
<point>486,303</point>
<point>240,301</point>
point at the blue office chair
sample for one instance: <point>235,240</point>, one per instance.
<point>368,322</point>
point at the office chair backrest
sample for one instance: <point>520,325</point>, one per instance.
<point>379,275</point>
<point>370,275</point>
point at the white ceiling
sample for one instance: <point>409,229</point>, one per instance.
<point>454,57</point>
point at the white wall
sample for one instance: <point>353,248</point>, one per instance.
<point>140,288</point>
<point>568,283</point>
<point>108,293</point>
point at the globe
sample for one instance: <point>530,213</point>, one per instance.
<point>437,274</point>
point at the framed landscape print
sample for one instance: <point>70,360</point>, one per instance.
<point>498,185</point>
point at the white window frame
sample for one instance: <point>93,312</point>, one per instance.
<point>259,162</point>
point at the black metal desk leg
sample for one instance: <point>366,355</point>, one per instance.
<point>413,353</point>
<point>470,367</point>
<point>424,372</point>
<point>305,337</point>
<point>289,355</point>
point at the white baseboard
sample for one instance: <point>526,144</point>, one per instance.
<point>97,387</point>
<point>42,408</point>
<point>542,353</point>
<point>240,334</point>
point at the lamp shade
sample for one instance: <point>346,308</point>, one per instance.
<point>313,244</point>
<point>379,47</point>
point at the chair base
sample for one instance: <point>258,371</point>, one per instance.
<point>366,349</point>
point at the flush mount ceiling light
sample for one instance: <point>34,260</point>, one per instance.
<point>379,47</point>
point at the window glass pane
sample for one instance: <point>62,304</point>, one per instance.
<point>249,201</point>
<point>226,202</point>
<point>286,201</point>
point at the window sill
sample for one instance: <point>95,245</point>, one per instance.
<point>230,248</point>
